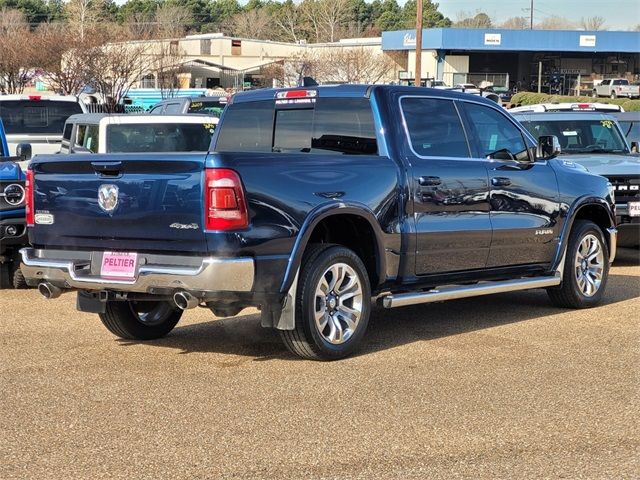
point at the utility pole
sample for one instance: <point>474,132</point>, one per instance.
<point>418,80</point>
<point>531,10</point>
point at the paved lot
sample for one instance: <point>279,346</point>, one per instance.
<point>495,387</point>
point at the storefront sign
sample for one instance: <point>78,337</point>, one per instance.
<point>409,40</point>
<point>587,40</point>
<point>492,38</point>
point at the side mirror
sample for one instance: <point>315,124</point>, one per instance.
<point>23,151</point>
<point>634,147</point>
<point>548,147</point>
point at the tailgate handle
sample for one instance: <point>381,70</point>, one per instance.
<point>107,168</point>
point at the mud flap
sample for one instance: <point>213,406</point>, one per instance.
<point>284,318</point>
<point>90,303</point>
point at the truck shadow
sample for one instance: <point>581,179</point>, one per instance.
<point>243,335</point>
<point>627,257</point>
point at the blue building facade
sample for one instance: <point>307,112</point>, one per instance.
<point>570,60</point>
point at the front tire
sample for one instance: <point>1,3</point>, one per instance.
<point>333,302</point>
<point>133,320</point>
<point>586,268</point>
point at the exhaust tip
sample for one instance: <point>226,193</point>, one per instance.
<point>185,301</point>
<point>49,291</point>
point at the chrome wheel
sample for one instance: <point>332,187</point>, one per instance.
<point>589,265</point>
<point>338,303</point>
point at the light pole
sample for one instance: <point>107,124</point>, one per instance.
<point>418,80</point>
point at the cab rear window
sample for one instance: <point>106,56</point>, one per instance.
<point>36,116</point>
<point>334,126</point>
<point>186,137</point>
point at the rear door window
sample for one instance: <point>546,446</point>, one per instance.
<point>434,127</point>
<point>36,116</point>
<point>344,125</point>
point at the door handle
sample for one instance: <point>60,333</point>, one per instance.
<point>500,182</point>
<point>107,168</point>
<point>429,181</point>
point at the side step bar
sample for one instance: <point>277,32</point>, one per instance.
<point>465,291</point>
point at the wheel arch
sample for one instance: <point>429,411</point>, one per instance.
<point>594,209</point>
<point>359,220</point>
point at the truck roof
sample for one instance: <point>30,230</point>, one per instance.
<point>58,98</point>
<point>344,91</point>
<point>558,116</point>
<point>126,118</point>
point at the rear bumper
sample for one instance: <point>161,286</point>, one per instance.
<point>156,273</point>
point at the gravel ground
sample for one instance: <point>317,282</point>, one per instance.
<point>493,387</point>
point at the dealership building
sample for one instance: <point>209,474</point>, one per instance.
<point>565,61</point>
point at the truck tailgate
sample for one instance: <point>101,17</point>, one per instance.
<point>158,202</point>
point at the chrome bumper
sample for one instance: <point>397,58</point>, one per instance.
<point>74,270</point>
<point>613,243</point>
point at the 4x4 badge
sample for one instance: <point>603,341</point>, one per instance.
<point>108,197</point>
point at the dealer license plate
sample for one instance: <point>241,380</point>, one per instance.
<point>634,209</point>
<point>118,265</point>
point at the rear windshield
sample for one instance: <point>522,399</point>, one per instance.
<point>581,136</point>
<point>210,107</point>
<point>36,116</point>
<point>138,137</point>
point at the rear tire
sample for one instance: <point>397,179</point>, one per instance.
<point>333,302</point>
<point>586,268</point>
<point>5,276</point>
<point>594,94</point>
<point>140,320</point>
<point>613,95</point>
<point>17,277</point>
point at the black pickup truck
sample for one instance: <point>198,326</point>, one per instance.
<point>312,203</point>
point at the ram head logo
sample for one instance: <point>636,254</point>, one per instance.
<point>108,197</point>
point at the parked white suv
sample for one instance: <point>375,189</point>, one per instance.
<point>109,133</point>
<point>37,120</point>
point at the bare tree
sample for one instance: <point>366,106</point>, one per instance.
<point>592,23</point>
<point>114,67</point>
<point>172,20</point>
<point>16,52</point>
<point>254,23</point>
<point>167,65</point>
<point>475,19</point>
<point>83,14</point>
<point>555,22</point>
<point>353,65</point>
<point>333,14</point>
<point>289,20</point>
<point>515,23</point>
<point>63,57</point>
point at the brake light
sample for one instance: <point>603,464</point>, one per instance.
<point>29,204</point>
<point>225,204</point>
<point>35,97</point>
<point>297,94</point>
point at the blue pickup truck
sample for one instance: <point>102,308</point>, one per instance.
<point>311,204</point>
<point>13,231</point>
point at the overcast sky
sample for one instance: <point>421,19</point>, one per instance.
<point>618,14</point>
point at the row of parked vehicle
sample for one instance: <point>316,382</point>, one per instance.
<point>310,202</point>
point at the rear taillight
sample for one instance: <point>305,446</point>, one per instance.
<point>225,204</point>
<point>28,191</point>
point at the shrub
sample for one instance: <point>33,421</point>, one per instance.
<point>532,98</point>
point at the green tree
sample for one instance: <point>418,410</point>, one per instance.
<point>221,10</point>
<point>431,17</point>
<point>35,11</point>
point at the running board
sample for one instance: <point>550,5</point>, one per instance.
<point>465,291</point>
